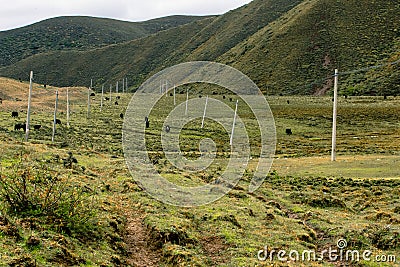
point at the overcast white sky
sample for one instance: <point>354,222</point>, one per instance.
<point>17,13</point>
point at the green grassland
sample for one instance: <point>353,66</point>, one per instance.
<point>305,203</point>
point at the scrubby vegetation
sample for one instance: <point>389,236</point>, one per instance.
<point>73,202</point>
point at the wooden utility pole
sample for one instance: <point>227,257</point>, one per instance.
<point>234,122</point>
<point>88,104</point>
<point>187,100</point>
<point>67,108</point>
<point>335,100</point>
<point>102,96</point>
<point>55,117</point>
<point>28,115</point>
<point>174,96</point>
<point>204,115</point>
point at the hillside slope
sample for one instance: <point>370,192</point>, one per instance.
<point>134,60</point>
<point>285,46</point>
<point>236,26</point>
<point>200,40</point>
<point>299,52</point>
<point>65,33</point>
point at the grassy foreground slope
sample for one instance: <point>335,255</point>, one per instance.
<point>301,206</point>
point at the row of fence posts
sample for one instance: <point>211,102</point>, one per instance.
<point>164,88</point>
<point>124,89</point>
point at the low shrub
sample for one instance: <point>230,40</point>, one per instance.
<point>31,189</point>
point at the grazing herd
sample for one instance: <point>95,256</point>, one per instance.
<point>22,126</point>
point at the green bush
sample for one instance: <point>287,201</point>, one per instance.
<point>30,189</point>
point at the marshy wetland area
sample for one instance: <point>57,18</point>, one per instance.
<point>73,202</point>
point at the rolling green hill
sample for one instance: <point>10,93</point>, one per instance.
<point>134,59</point>
<point>200,40</point>
<point>285,46</point>
<point>299,52</point>
<point>63,33</point>
<point>226,31</point>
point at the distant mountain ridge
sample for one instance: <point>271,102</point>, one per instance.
<point>79,33</point>
<point>285,46</point>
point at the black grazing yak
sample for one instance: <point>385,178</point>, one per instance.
<point>20,126</point>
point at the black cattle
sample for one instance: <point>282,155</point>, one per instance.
<point>92,94</point>
<point>20,126</point>
<point>116,103</point>
<point>230,99</point>
<point>289,131</point>
<point>167,129</point>
<point>121,115</point>
<point>69,160</point>
<point>147,124</point>
<point>200,96</point>
<point>107,98</point>
<point>44,85</point>
<point>37,126</point>
<point>288,101</point>
<point>1,101</point>
<point>224,97</point>
<point>58,121</point>
<point>118,97</point>
<point>171,94</point>
<point>14,114</point>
